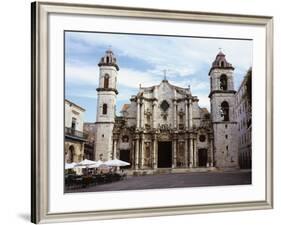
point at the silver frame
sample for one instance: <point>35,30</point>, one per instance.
<point>39,172</point>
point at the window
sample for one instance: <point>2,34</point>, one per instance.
<point>164,105</point>
<point>202,138</point>
<point>225,111</point>
<point>106,81</point>
<point>223,82</point>
<point>73,123</point>
<point>226,136</point>
<point>104,109</point>
<point>222,63</point>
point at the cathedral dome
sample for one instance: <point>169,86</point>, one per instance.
<point>221,63</point>
<point>108,59</point>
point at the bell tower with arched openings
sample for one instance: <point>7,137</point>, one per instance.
<point>222,98</point>
<point>106,104</point>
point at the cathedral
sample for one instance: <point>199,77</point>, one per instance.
<point>163,127</point>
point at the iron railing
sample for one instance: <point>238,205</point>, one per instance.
<point>75,133</point>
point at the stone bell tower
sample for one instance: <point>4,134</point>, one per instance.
<point>222,97</point>
<point>106,105</point>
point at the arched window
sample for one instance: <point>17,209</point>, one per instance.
<point>222,63</point>
<point>106,81</point>
<point>223,82</point>
<point>104,109</point>
<point>225,111</point>
<point>107,59</point>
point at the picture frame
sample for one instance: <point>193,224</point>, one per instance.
<point>41,190</point>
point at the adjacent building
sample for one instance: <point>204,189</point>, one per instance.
<point>243,114</point>
<point>75,138</point>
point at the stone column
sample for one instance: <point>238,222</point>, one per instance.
<point>174,155</point>
<point>186,153</point>
<point>142,151</point>
<point>186,114</point>
<point>114,148</point>
<point>154,116</point>
<point>142,114</point>
<point>211,141</point>
<point>138,113</point>
<point>191,152</point>
<point>195,155</point>
<point>154,159</point>
<point>132,153</point>
<point>190,114</point>
<point>137,145</point>
<point>175,114</point>
<point>82,150</point>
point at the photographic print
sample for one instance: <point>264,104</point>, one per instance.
<point>156,108</point>
<point>153,111</point>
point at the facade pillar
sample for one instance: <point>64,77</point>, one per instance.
<point>175,114</point>
<point>142,114</point>
<point>82,150</point>
<point>114,148</point>
<point>190,114</point>
<point>132,154</point>
<point>154,156</point>
<point>195,155</point>
<point>138,113</point>
<point>211,147</point>
<point>186,153</point>
<point>142,152</point>
<point>154,116</point>
<point>174,155</point>
<point>186,114</point>
<point>137,145</point>
<point>191,152</point>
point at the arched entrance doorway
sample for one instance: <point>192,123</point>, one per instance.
<point>202,157</point>
<point>70,154</point>
<point>164,154</point>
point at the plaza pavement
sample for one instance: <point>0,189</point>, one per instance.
<point>194,179</point>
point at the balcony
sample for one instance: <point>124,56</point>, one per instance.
<point>75,134</point>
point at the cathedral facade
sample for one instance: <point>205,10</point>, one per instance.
<point>163,126</point>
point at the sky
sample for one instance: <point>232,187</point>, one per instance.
<point>142,59</point>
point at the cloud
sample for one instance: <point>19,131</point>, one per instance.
<point>181,56</point>
<point>204,101</point>
<point>142,60</point>
<point>81,75</point>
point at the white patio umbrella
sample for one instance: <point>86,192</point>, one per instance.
<point>70,165</point>
<point>116,162</point>
<point>85,163</point>
<point>98,164</point>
